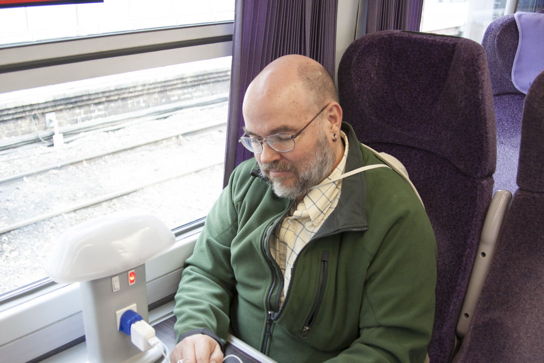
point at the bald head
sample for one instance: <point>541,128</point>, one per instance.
<point>317,81</point>
<point>292,80</point>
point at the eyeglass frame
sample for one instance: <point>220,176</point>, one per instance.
<point>262,140</point>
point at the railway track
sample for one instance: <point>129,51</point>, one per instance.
<point>21,184</point>
<point>20,117</point>
<point>47,168</point>
<point>112,121</point>
<point>102,199</point>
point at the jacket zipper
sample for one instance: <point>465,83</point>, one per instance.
<point>277,280</point>
<point>318,295</point>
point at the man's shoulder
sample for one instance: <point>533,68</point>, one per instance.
<point>390,184</point>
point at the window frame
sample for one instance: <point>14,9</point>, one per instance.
<point>41,64</point>
<point>46,316</point>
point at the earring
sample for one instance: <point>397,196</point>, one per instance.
<point>334,137</point>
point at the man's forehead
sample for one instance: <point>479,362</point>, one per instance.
<point>267,118</point>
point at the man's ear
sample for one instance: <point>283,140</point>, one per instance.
<point>334,116</point>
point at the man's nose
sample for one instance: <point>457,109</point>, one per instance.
<point>268,154</point>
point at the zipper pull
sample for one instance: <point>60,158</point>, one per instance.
<point>269,321</point>
<point>325,257</point>
<point>270,317</point>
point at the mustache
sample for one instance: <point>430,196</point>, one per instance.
<point>279,165</point>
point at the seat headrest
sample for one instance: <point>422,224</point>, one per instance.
<point>531,167</point>
<point>500,42</point>
<point>529,58</point>
<point>424,91</point>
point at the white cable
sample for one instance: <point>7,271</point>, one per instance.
<point>153,341</point>
<point>143,336</point>
<point>350,173</point>
<point>233,356</point>
<point>166,353</point>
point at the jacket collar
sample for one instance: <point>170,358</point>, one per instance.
<point>349,214</point>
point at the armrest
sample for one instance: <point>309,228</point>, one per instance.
<point>486,249</point>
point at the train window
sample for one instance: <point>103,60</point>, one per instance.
<point>74,145</point>
<point>103,107</point>
<point>151,140</point>
<point>41,23</point>
<point>465,18</point>
<point>531,5</point>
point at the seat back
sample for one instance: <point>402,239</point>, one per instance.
<point>507,323</point>
<point>426,99</point>
<point>512,62</point>
<point>500,43</point>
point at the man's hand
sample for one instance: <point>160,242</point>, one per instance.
<point>198,348</point>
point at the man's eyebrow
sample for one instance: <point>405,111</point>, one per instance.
<point>277,130</point>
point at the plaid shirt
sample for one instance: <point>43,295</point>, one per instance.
<point>300,225</point>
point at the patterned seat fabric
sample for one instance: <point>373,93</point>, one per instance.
<point>426,99</point>
<point>507,323</point>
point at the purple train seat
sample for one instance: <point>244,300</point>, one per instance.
<point>501,41</point>
<point>507,323</point>
<point>426,99</point>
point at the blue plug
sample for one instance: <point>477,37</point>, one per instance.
<point>128,318</point>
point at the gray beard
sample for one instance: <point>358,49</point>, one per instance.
<point>313,172</point>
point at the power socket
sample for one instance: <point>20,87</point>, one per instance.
<point>120,312</point>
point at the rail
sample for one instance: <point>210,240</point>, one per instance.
<point>120,122</point>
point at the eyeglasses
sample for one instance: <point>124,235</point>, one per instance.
<point>281,142</point>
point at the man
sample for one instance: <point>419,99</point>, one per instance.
<point>316,250</point>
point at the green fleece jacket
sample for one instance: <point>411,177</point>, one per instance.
<point>362,290</point>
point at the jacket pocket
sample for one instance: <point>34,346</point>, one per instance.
<point>320,292</point>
